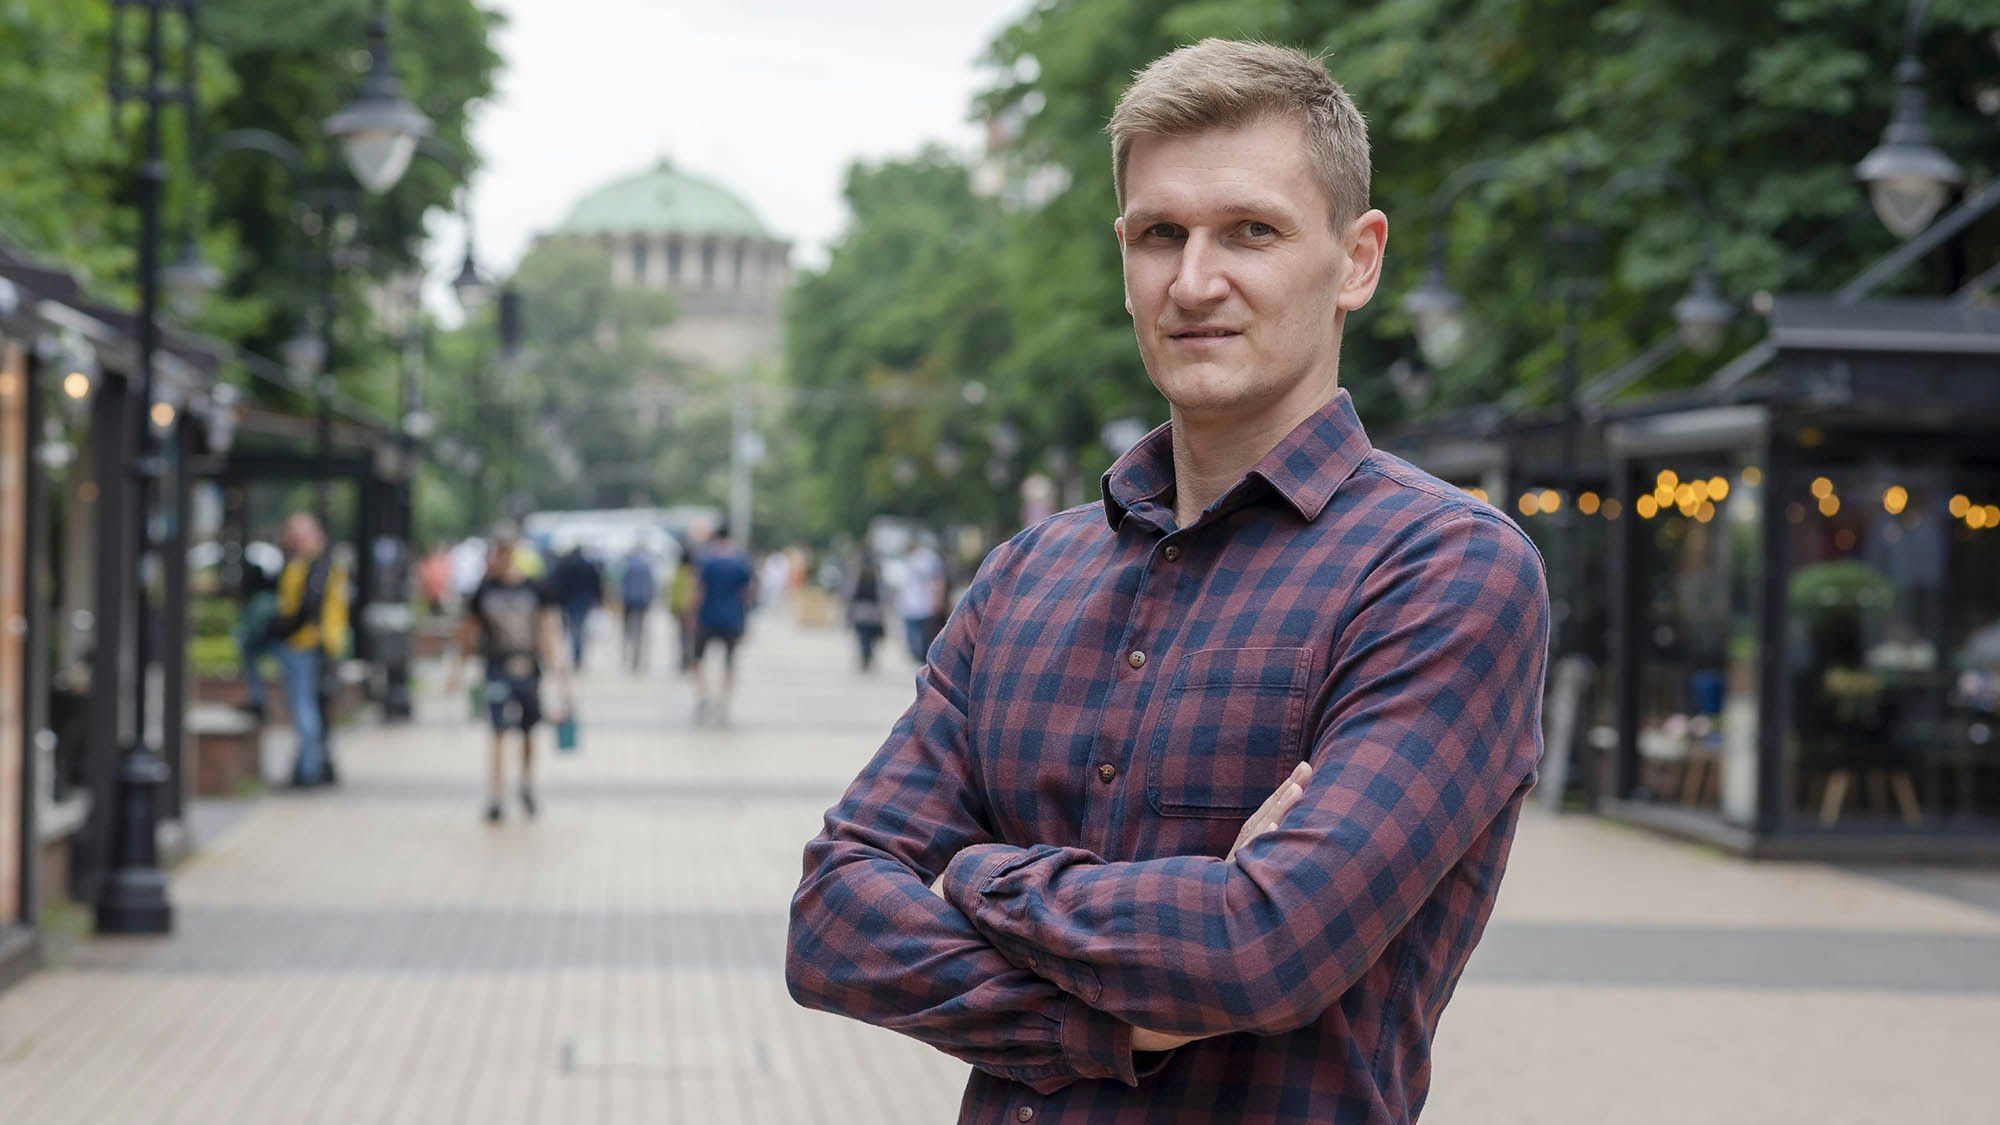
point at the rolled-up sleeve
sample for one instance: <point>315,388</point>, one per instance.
<point>868,938</point>
<point>1430,730</point>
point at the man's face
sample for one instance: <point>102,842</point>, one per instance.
<point>1235,277</point>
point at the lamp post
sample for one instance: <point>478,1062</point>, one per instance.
<point>379,129</point>
<point>1436,314</point>
<point>133,898</point>
<point>1908,178</point>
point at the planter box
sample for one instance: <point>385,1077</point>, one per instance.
<point>228,749</point>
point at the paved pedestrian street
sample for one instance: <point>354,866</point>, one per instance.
<point>381,954</point>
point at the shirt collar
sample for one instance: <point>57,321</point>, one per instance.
<point>1305,468</point>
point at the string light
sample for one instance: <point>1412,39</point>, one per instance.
<point>1829,506</point>
<point>1958,506</point>
<point>1587,503</point>
<point>1667,480</point>
<point>1611,508</point>
<point>1550,501</point>
<point>76,385</point>
<point>1895,499</point>
<point>1647,507</point>
<point>1718,487</point>
<point>1752,476</point>
<point>1529,504</point>
<point>1822,488</point>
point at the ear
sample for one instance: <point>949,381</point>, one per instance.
<point>1365,240</point>
<point>1125,276</point>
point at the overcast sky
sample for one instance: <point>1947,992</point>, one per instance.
<point>771,97</point>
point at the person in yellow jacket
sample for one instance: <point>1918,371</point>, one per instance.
<point>308,633</point>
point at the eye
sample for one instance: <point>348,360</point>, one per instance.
<point>1162,230</point>
<point>1256,229</point>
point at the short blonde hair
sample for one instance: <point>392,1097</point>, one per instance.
<point>1224,83</point>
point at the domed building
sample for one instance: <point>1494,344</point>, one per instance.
<point>665,228</point>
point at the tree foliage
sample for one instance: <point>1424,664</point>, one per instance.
<point>1763,108</point>
<point>575,418</point>
<point>68,162</point>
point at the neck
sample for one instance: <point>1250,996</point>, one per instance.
<point>1213,453</point>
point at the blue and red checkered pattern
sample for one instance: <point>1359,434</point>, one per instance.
<point>1111,700</point>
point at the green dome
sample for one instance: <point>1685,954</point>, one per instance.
<point>663,200</point>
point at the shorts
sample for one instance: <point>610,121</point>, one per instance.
<point>513,702</point>
<point>729,643</point>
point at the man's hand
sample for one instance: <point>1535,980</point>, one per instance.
<point>1145,1039</point>
<point>1274,808</point>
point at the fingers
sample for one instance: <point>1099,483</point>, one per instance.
<point>1275,807</point>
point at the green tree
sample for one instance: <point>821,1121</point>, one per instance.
<point>1766,108</point>
<point>576,416</point>
<point>890,350</point>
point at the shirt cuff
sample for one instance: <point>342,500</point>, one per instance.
<point>981,882</point>
<point>1096,1045</point>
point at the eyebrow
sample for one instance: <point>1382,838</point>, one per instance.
<point>1240,208</point>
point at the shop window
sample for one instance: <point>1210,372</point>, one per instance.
<point>1701,561</point>
<point>1960,778</point>
<point>1866,605</point>
<point>1540,510</point>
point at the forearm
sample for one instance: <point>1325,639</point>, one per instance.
<point>1181,944</point>
<point>869,941</point>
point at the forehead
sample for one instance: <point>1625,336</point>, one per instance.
<point>1263,163</point>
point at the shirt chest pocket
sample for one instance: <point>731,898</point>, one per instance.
<point>1228,731</point>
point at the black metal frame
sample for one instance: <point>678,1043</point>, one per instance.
<point>1915,369</point>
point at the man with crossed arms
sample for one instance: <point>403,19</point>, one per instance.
<point>1215,779</point>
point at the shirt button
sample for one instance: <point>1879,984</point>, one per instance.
<point>1137,659</point>
<point>1172,554</point>
<point>1025,1113</point>
<point>1106,772</point>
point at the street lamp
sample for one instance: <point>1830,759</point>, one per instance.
<point>379,130</point>
<point>133,898</point>
<point>1907,176</point>
<point>305,356</point>
<point>189,280</point>
<point>472,290</point>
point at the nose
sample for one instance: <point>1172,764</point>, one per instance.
<point>1199,280</point>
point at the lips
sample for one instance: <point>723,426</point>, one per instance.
<point>1205,333</point>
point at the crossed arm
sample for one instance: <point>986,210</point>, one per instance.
<point>1046,964</point>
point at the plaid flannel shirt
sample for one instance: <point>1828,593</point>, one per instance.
<point>1111,700</point>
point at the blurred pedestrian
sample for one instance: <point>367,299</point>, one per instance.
<point>308,633</point>
<point>512,620</point>
<point>1207,789</point>
<point>253,632</point>
<point>920,601</point>
<point>775,579</point>
<point>864,607</point>
<point>725,590</point>
<point>681,594</point>
<point>636,590</point>
<point>434,579</point>
<point>578,587</point>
